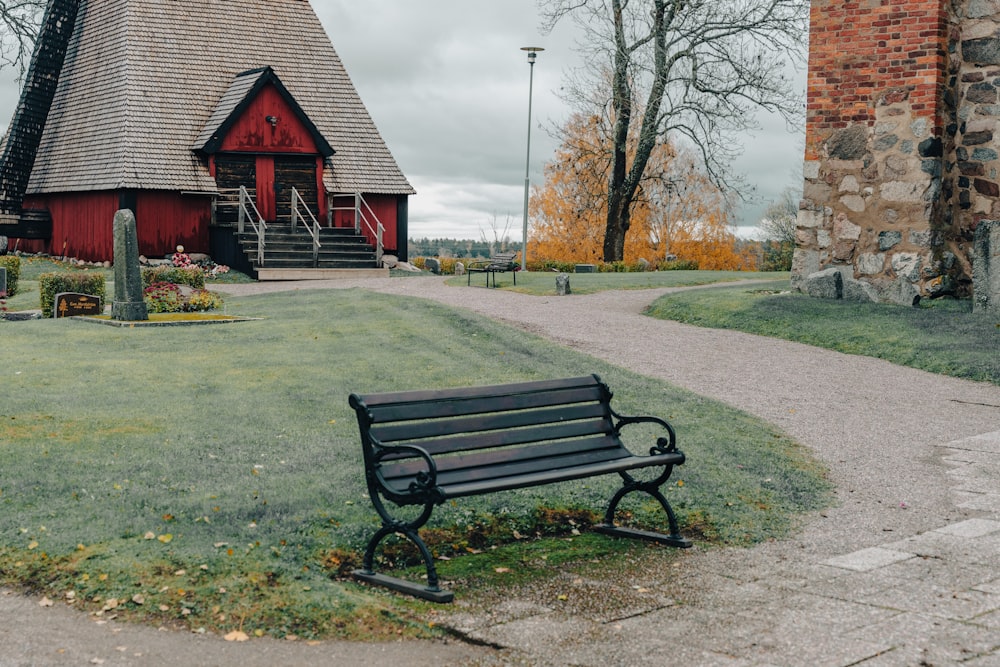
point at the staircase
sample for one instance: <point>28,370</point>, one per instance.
<point>297,248</point>
<point>289,254</point>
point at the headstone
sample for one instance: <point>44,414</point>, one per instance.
<point>432,265</point>
<point>562,284</point>
<point>71,304</point>
<point>3,280</point>
<point>585,268</point>
<point>986,267</point>
<point>128,305</point>
<point>459,269</point>
<point>3,244</point>
<point>390,261</point>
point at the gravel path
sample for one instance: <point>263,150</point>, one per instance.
<point>905,568</point>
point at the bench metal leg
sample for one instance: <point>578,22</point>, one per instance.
<point>608,527</point>
<point>432,591</point>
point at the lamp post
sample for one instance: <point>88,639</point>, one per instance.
<point>532,54</point>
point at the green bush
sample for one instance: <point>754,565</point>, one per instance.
<point>678,265</point>
<point>50,284</point>
<point>13,265</point>
<point>190,276</point>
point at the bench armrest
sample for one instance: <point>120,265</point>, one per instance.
<point>426,480</point>
<point>664,445</point>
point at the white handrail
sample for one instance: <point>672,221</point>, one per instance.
<point>314,230</point>
<point>362,222</point>
<point>259,226</point>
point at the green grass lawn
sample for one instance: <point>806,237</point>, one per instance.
<point>942,336</point>
<point>542,284</point>
<point>211,476</point>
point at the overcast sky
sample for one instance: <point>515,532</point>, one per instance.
<point>447,85</point>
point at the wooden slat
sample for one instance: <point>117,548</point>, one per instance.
<point>566,449</point>
<point>375,400</point>
<point>409,432</point>
<point>470,488</point>
<point>459,407</point>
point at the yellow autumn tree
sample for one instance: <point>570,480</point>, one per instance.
<point>677,210</point>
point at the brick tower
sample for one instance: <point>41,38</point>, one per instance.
<point>900,163</point>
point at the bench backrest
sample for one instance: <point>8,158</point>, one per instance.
<point>448,422</point>
<point>503,258</point>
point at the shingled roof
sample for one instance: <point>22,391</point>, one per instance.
<point>143,78</point>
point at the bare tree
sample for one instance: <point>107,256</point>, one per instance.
<point>778,223</point>
<point>19,20</point>
<point>692,69</point>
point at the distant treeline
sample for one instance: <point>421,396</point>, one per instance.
<point>459,247</point>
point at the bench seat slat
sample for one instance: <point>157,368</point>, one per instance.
<point>508,438</point>
<point>410,431</point>
<point>460,407</point>
<point>415,396</point>
<point>534,478</point>
<point>482,460</point>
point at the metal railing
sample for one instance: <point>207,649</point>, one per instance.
<point>365,222</point>
<point>248,212</point>
<point>313,230</point>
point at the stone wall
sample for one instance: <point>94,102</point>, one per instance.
<point>900,161</point>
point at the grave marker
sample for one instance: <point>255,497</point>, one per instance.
<point>3,280</point>
<point>72,304</point>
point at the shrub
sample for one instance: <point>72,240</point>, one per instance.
<point>191,276</point>
<point>50,284</point>
<point>13,265</point>
<point>678,265</point>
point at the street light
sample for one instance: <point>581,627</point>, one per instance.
<point>532,54</point>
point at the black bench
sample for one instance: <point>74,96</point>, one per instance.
<point>426,447</point>
<point>498,263</point>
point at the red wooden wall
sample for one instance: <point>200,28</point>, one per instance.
<point>83,223</point>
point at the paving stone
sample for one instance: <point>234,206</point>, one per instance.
<point>970,528</point>
<point>946,602</point>
<point>868,559</point>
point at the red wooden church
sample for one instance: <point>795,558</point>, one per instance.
<point>228,126</point>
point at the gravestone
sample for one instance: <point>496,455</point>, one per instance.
<point>585,268</point>
<point>986,268</point>
<point>562,284</point>
<point>72,304</point>
<point>128,305</point>
<point>3,280</point>
<point>432,265</point>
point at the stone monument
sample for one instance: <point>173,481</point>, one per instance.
<point>128,304</point>
<point>986,268</point>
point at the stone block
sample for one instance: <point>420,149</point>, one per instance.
<point>823,238</point>
<point>128,305</point>
<point>3,280</point>
<point>804,263</point>
<point>432,265</point>
<point>810,169</point>
<point>870,264</point>
<point>827,284</point>
<point>858,290</point>
<point>887,240</point>
<point>845,230</point>
<point>901,292</point>
<point>906,265</point>
<point>809,219</point>
<point>853,203</point>
<point>986,267</point>
<point>72,304</point>
<point>585,268</point>
<point>903,191</point>
<point>850,184</point>
<point>459,269</point>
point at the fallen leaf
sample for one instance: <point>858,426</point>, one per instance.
<point>45,602</point>
<point>237,636</point>
<point>96,661</point>
<point>32,545</point>
<point>166,538</point>
<point>501,570</point>
<point>149,536</point>
<point>138,599</point>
